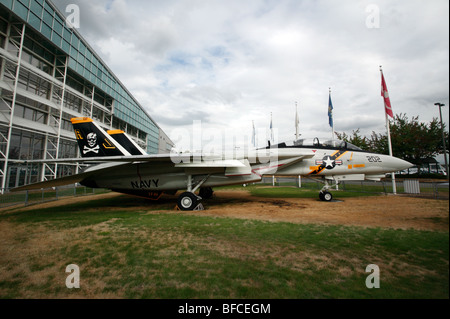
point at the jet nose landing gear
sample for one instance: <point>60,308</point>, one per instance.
<point>325,196</point>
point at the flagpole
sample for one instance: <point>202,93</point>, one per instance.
<point>296,122</point>
<point>253,134</point>
<point>389,135</point>
<point>332,128</point>
<point>271,128</point>
<point>394,186</point>
<point>331,112</point>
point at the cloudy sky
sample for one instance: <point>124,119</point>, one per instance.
<point>228,63</point>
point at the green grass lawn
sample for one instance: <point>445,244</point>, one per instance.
<point>293,192</point>
<point>125,251</point>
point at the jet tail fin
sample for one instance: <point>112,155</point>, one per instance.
<point>126,142</point>
<point>93,141</point>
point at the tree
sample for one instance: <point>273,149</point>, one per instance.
<point>355,139</point>
<point>379,143</point>
<point>416,141</point>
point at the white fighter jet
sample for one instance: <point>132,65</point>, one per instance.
<point>124,167</point>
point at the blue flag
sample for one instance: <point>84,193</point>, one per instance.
<point>330,111</point>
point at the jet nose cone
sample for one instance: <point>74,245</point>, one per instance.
<point>398,164</point>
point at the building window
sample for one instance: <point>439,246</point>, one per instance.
<point>26,145</point>
<point>67,149</point>
<point>30,114</point>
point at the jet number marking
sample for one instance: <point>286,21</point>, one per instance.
<point>374,159</point>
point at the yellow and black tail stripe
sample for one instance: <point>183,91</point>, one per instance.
<point>328,162</point>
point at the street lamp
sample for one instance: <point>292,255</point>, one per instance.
<point>443,137</point>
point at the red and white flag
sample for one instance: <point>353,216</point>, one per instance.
<point>385,95</point>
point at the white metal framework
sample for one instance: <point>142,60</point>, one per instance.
<point>17,64</point>
<point>59,103</point>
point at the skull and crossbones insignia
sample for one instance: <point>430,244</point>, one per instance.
<point>92,141</point>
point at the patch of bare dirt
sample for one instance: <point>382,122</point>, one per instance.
<point>391,211</point>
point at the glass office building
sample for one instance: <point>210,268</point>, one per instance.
<point>48,75</point>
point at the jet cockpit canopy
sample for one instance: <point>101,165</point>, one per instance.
<point>318,143</point>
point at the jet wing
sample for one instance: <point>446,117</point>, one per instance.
<point>66,180</point>
<point>72,179</point>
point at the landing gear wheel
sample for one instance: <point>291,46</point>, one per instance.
<point>206,192</point>
<point>325,196</point>
<point>187,201</point>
